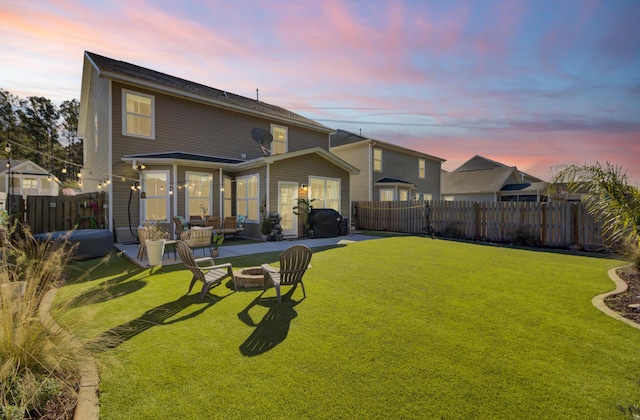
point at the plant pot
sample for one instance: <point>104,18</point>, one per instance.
<point>264,238</point>
<point>215,253</point>
<point>155,251</point>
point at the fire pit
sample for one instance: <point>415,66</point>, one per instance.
<point>249,277</point>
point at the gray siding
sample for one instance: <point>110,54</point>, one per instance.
<point>188,126</point>
<point>358,156</point>
<point>396,164</point>
<point>299,170</point>
<point>96,141</point>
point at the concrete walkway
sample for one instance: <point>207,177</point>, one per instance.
<point>229,250</point>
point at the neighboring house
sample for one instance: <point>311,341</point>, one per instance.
<point>161,146</point>
<point>387,172</point>
<point>25,178</point>
<point>482,179</point>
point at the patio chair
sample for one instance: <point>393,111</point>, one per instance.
<point>142,237</point>
<point>198,237</point>
<point>294,261</point>
<point>210,275</point>
<point>230,226</point>
<point>214,222</point>
<point>181,225</point>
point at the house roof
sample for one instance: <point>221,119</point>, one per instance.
<point>477,181</point>
<point>235,164</point>
<point>24,167</point>
<point>173,156</point>
<point>482,163</point>
<point>344,139</point>
<point>394,181</point>
<point>526,187</point>
<point>131,73</point>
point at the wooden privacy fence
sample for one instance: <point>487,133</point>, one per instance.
<point>558,224</point>
<point>50,214</point>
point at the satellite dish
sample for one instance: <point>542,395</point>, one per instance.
<point>263,138</point>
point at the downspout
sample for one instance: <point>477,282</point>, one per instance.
<point>267,190</point>
<point>174,196</point>
<point>110,143</point>
<point>370,171</point>
<point>221,192</point>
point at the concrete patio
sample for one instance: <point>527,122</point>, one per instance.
<point>229,250</point>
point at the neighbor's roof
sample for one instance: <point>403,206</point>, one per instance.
<point>127,72</point>
<point>526,187</point>
<point>478,162</point>
<point>394,181</point>
<point>345,138</point>
<point>478,181</point>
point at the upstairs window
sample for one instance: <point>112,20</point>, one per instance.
<point>377,159</point>
<point>280,139</point>
<point>138,114</point>
<point>421,169</point>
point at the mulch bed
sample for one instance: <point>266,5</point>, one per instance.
<point>620,303</point>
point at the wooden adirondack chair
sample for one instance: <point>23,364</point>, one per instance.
<point>210,275</point>
<point>294,261</point>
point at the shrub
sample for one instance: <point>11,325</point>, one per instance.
<point>38,360</point>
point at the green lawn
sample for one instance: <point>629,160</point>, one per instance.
<point>403,327</point>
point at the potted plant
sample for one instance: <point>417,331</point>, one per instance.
<point>156,236</point>
<point>266,227</point>
<point>218,239</point>
<point>204,211</point>
<point>304,209</point>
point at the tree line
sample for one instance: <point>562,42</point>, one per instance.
<point>36,129</point>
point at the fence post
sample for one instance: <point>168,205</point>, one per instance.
<point>543,222</point>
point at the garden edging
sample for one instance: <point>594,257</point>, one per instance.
<point>621,287</point>
<point>88,406</point>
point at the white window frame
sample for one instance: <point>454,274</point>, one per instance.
<point>425,196</point>
<point>403,194</point>
<point>250,201</point>
<point>384,191</point>
<point>143,208</point>
<point>377,162</point>
<point>125,113</point>
<point>209,178</point>
<point>322,203</point>
<point>422,168</point>
<point>284,142</point>
<point>227,196</point>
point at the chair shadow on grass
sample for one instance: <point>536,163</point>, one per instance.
<point>160,315</point>
<point>272,328</point>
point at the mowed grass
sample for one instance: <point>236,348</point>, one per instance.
<point>402,327</point>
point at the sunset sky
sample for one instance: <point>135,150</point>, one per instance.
<point>532,84</point>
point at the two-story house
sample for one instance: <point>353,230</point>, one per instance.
<point>162,146</point>
<point>387,172</point>
<point>482,179</point>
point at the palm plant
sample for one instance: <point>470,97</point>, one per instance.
<point>304,209</point>
<point>609,199</point>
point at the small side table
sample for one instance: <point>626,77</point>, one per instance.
<point>171,242</point>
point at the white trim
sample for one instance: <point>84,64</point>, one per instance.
<point>249,199</point>
<point>208,175</point>
<point>286,138</point>
<point>143,207</point>
<point>325,179</point>
<point>152,136</point>
<point>293,232</point>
